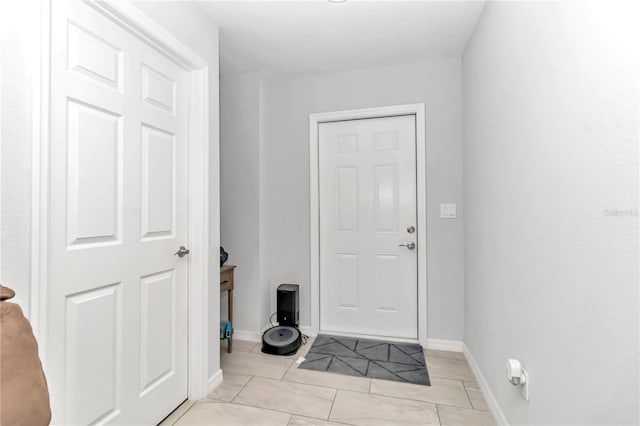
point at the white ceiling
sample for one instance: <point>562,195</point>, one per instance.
<point>318,35</point>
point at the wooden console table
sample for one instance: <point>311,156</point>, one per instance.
<point>226,284</point>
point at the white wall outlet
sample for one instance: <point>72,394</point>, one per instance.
<point>524,387</point>
<point>518,376</point>
<point>448,211</point>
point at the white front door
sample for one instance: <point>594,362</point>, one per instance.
<point>117,295</point>
<point>367,176</point>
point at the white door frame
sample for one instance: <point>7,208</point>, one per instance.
<point>140,25</point>
<point>421,199</point>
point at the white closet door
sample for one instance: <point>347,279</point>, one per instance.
<point>117,295</point>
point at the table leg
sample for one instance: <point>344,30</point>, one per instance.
<point>230,309</point>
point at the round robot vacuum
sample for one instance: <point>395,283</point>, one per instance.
<point>281,340</point>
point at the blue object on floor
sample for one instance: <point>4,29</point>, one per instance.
<point>225,330</point>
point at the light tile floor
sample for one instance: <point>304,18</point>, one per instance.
<point>260,389</point>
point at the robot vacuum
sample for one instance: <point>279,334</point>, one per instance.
<point>285,338</point>
<point>281,340</point>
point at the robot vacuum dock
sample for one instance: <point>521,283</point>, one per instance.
<point>285,338</point>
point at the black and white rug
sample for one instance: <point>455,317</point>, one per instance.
<point>402,362</point>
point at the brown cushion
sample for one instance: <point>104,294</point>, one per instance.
<point>6,293</point>
<point>24,399</point>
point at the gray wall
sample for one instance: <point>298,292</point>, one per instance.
<point>290,100</point>
<point>551,197</point>
<point>239,193</point>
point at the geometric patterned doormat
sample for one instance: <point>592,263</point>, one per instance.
<point>402,362</point>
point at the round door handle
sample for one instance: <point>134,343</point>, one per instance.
<point>410,245</point>
<point>182,251</point>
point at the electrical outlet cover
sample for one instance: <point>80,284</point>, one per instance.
<point>524,388</point>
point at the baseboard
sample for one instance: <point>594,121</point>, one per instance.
<point>215,381</point>
<point>249,336</point>
<point>486,391</point>
<point>445,345</point>
<point>305,329</point>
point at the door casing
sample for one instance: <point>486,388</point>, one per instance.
<point>200,236</point>
<point>421,198</point>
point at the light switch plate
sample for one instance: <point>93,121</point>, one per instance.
<point>448,211</point>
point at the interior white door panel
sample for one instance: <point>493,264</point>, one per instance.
<point>367,175</point>
<point>117,295</point>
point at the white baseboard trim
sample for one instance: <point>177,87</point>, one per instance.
<point>249,336</point>
<point>486,391</point>
<point>215,381</point>
<point>305,329</point>
<point>445,345</point>
<point>436,344</point>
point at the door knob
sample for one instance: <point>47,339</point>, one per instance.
<point>182,251</point>
<point>410,245</point>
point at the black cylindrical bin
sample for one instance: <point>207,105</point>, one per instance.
<point>287,302</point>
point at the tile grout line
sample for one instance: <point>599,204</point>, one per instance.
<point>185,412</point>
<point>468,397</point>
<point>332,421</point>
<point>307,383</point>
<point>241,389</point>
<point>272,409</point>
<point>361,392</point>
<point>300,382</point>
<point>470,378</point>
<point>456,379</point>
<point>335,396</point>
<point>397,397</point>
<point>445,356</point>
<point>292,367</point>
<point>287,370</point>
<point>378,394</point>
<point>422,401</point>
<point>448,405</point>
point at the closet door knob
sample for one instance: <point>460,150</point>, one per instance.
<point>410,245</point>
<point>182,251</point>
